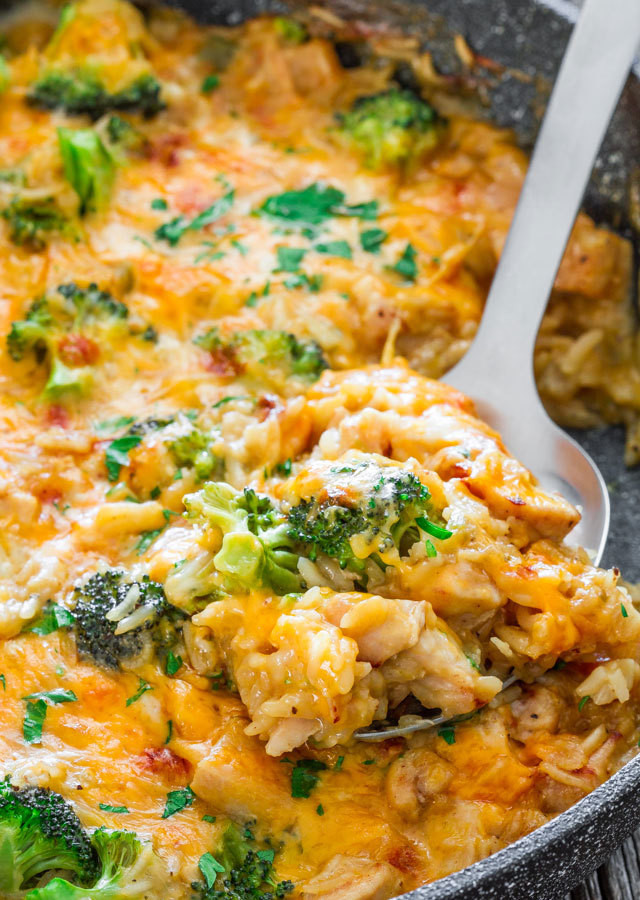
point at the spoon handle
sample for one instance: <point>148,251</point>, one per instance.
<point>499,365</point>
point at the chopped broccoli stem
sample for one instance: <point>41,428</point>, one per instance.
<point>39,832</point>
<point>125,871</point>
<point>392,128</point>
<point>88,167</point>
<point>33,222</point>
<point>117,620</point>
<point>82,93</point>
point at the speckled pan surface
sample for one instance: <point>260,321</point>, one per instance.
<point>529,35</point>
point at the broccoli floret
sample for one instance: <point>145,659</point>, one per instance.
<point>117,620</point>
<point>247,872</point>
<point>392,128</point>
<point>39,832</point>
<point>32,222</point>
<point>88,167</point>
<point>193,583</point>
<point>265,355</point>
<point>256,548</point>
<point>82,93</point>
<point>290,30</point>
<point>127,870</point>
<point>124,138</point>
<point>370,512</point>
<point>64,331</point>
<point>193,450</point>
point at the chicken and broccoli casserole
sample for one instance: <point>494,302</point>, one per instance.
<point>240,520</point>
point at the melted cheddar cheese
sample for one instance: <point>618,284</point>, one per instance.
<point>214,303</point>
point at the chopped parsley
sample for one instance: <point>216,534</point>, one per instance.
<point>335,248</point>
<point>172,231</point>
<point>143,687</point>
<point>313,205</point>
<point>173,663</point>
<point>320,809</point>
<point>178,800</point>
<point>105,807</point>
<point>117,454</point>
<point>3,681</point>
<point>303,777</point>
<point>447,734</point>
<point>51,618</point>
<point>583,703</point>
<point>108,426</point>
<point>372,239</point>
<point>146,539</point>
<point>289,258</point>
<point>431,550</point>
<point>302,280</point>
<point>338,764</point>
<point>159,203</point>
<point>169,732</point>
<point>57,695</point>
<point>225,400</point>
<point>210,868</point>
<point>209,84</point>
<point>406,264</point>
<point>623,610</point>
<point>33,721</point>
<point>210,819</point>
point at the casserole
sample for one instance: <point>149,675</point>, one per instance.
<point>71,293</point>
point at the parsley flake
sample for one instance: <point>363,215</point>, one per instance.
<point>289,258</point>
<point>117,454</point>
<point>335,248</point>
<point>178,800</point>
<point>406,264</point>
<point>303,777</point>
<point>447,734</point>
<point>210,868</point>
<point>33,721</point>
<point>372,239</point>
<point>173,663</point>
<point>51,618</point>
<point>105,807</point>
<point>143,687</point>
<point>209,84</point>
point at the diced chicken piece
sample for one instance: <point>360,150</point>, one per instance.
<point>438,673</point>
<point>353,878</point>
<point>610,681</point>
<point>415,778</point>
<point>536,712</point>
<point>239,780</point>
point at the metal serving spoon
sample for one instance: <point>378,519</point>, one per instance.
<point>497,371</point>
